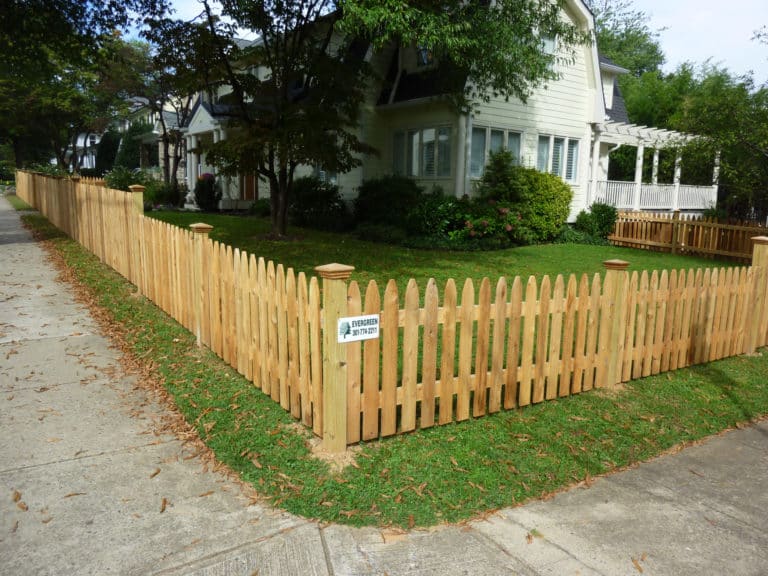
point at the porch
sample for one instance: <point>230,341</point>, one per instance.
<point>638,195</point>
<point>631,196</point>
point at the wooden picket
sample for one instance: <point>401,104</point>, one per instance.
<point>686,234</point>
<point>441,357</point>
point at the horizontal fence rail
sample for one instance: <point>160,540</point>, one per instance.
<point>686,234</point>
<point>443,355</point>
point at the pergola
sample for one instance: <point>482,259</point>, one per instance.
<point>642,137</point>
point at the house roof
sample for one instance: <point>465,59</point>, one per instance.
<point>610,66</point>
<point>618,113</point>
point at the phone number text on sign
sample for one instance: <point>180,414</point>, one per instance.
<point>356,328</point>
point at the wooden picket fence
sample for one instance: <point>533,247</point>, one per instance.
<point>686,234</point>
<point>439,359</point>
<point>259,317</point>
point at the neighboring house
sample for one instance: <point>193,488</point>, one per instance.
<point>85,147</point>
<point>568,127</point>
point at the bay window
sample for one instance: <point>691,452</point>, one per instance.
<point>558,155</point>
<point>487,140</point>
<point>424,153</point>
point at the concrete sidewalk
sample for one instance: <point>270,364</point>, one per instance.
<point>88,485</point>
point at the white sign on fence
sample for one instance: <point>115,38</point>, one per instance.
<point>356,328</point>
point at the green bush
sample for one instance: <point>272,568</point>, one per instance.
<point>129,151</point>
<point>158,193</point>
<point>207,193</point>
<point>319,205</point>
<point>599,221</point>
<point>501,179</point>
<point>387,200</point>
<point>261,207</point>
<point>106,152</point>
<point>435,215</point>
<point>540,201</point>
<point>571,235</point>
<point>120,178</point>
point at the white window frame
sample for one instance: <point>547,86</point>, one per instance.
<point>413,156</point>
<point>488,130</point>
<point>566,155</point>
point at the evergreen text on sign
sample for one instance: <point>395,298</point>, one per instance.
<point>356,328</point>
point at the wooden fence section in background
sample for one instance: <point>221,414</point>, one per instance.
<point>686,234</point>
<point>260,318</point>
<point>442,357</point>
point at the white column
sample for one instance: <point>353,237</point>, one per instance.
<point>715,178</point>
<point>592,189</point>
<point>638,176</point>
<point>467,152</point>
<point>655,175</point>
<point>461,156</point>
<point>676,193</point>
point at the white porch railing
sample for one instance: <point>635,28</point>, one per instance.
<point>623,195</point>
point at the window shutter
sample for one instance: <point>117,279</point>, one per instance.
<point>557,156</point>
<point>444,152</point>
<point>573,160</point>
<point>542,157</point>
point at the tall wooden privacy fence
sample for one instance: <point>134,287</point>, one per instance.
<point>686,234</point>
<point>442,355</point>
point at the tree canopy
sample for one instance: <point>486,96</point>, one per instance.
<point>304,107</point>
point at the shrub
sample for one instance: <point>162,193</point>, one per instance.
<point>106,151</point>
<point>571,235</point>
<point>387,200</point>
<point>207,193</point>
<point>501,178</point>
<point>541,200</point>
<point>599,221</point>
<point>435,215</point>
<point>120,178</point>
<point>158,193</point>
<point>317,204</point>
<point>261,207</point>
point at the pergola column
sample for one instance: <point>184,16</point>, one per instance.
<point>715,178</point>
<point>676,192</point>
<point>655,174</point>
<point>638,176</point>
<point>592,189</point>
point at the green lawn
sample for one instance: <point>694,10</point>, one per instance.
<point>382,262</point>
<point>444,474</point>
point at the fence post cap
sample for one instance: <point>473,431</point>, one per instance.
<point>200,228</point>
<point>137,188</point>
<point>334,271</point>
<point>760,239</point>
<point>616,264</point>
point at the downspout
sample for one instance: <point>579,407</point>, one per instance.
<point>467,153</point>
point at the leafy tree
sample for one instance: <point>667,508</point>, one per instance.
<point>625,36</point>
<point>50,55</point>
<point>306,108</point>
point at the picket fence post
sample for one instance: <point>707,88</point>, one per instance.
<point>335,278</point>
<point>759,308</point>
<point>616,278</point>
<point>201,232</point>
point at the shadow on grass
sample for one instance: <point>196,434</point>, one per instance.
<point>730,389</point>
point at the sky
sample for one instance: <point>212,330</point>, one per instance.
<point>693,31</point>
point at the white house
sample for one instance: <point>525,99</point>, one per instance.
<point>567,127</point>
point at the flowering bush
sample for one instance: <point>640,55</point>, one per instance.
<point>207,192</point>
<point>493,224</point>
